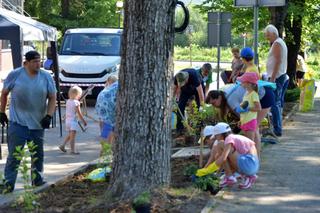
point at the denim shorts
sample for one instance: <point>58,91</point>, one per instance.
<point>268,99</point>
<point>248,164</point>
<point>106,130</point>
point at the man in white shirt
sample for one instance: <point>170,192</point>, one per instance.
<point>276,72</point>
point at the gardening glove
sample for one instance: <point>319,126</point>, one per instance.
<point>240,110</point>
<point>3,119</point>
<point>208,170</point>
<point>45,122</point>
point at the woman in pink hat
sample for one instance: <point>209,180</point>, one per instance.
<point>250,105</point>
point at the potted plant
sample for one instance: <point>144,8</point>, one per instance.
<point>142,203</point>
<point>208,183</point>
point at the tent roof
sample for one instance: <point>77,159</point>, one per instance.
<point>32,30</point>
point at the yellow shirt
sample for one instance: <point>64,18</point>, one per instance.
<point>252,68</point>
<point>249,116</point>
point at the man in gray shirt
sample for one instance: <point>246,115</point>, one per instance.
<point>30,114</point>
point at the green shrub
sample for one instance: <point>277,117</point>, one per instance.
<point>190,170</point>
<point>292,95</point>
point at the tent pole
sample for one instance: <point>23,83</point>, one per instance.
<point>53,46</point>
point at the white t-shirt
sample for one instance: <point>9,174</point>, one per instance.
<point>71,113</point>
<point>271,59</point>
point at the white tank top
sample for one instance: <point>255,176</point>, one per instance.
<point>271,59</point>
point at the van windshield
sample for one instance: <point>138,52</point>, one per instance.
<point>91,44</point>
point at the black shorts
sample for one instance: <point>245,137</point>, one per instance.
<point>268,99</point>
<point>299,74</point>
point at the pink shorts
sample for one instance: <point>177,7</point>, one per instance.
<point>250,126</point>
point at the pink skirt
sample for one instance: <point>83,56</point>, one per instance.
<point>250,126</point>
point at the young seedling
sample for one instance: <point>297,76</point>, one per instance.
<point>28,198</point>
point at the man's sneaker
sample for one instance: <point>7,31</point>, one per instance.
<point>228,181</point>
<point>38,183</point>
<point>248,182</point>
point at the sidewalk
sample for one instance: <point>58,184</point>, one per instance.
<point>289,176</point>
<point>56,163</point>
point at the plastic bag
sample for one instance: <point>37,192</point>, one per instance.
<point>173,120</point>
<point>99,175</point>
<point>307,95</point>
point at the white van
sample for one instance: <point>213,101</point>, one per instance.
<point>88,56</point>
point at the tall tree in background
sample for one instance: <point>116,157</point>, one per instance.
<point>143,138</point>
<point>293,27</point>
<point>65,5</point>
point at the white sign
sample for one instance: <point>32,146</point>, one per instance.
<point>261,3</point>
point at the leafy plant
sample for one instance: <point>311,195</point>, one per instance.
<point>142,199</point>
<point>28,198</point>
<point>190,170</point>
<point>196,119</point>
<point>292,95</point>
<point>206,182</point>
<point>106,154</point>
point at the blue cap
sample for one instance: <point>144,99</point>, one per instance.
<point>246,53</point>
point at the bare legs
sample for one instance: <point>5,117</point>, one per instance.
<point>70,138</point>
<point>261,115</point>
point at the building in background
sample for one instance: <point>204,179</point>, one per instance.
<point>5,51</point>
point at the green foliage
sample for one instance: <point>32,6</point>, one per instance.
<point>106,154</point>
<point>28,198</point>
<point>210,54</point>
<point>190,170</point>
<point>82,13</point>
<point>142,199</point>
<point>292,95</point>
<point>197,119</point>
<point>207,181</point>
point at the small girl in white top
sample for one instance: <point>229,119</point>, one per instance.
<point>72,110</point>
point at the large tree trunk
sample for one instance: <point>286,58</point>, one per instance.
<point>293,28</point>
<point>143,138</point>
<point>278,15</point>
<point>65,8</point>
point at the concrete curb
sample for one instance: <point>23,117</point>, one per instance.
<point>10,198</point>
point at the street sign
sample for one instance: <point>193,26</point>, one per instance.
<point>219,22</point>
<point>219,34</point>
<point>261,3</point>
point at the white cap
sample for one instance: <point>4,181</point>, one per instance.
<point>207,131</point>
<point>220,128</point>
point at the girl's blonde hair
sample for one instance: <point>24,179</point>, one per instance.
<point>74,92</point>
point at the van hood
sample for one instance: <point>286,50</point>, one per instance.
<point>87,64</point>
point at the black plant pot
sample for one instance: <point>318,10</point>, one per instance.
<point>145,208</point>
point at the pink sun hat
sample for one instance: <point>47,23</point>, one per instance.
<point>249,77</point>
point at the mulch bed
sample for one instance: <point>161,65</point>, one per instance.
<point>80,195</point>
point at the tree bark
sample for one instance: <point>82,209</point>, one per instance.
<point>65,8</point>
<point>293,28</point>
<point>143,133</point>
<point>278,15</point>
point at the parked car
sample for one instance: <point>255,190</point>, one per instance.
<point>88,56</point>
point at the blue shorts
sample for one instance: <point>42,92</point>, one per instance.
<point>248,164</point>
<point>268,99</point>
<point>106,130</point>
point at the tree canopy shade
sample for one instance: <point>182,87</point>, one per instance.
<point>142,147</point>
<point>18,28</point>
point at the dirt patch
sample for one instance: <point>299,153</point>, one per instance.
<point>80,195</point>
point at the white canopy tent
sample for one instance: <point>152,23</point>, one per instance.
<point>18,28</point>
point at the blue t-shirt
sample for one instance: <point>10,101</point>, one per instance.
<point>28,103</point>
<point>106,104</point>
<point>194,81</point>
